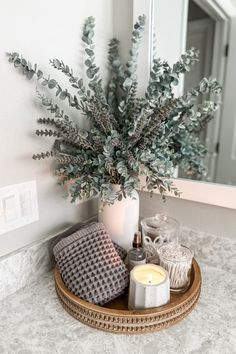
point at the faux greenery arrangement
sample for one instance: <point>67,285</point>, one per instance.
<point>129,136</point>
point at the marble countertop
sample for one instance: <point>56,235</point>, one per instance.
<point>33,321</point>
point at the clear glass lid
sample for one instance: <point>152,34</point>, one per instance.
<point>160,223</point>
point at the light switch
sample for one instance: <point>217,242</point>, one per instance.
<point>9,208</point>
<point>18,206</point>
<point>25,203</point>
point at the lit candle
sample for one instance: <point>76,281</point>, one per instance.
<point>149,278</point>
<point>149,287</point>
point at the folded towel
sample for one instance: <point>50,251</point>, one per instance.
<point>90,265</point>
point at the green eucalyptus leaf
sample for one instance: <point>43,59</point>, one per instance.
<point>17,62</point>
<point>63,95</point>
<point>30,74</point>
<point>52,83</point>
<point>39,74</point>
<point>90,73</point>
<point>127,83</point>
<point>89,52</point>
<point>88,62</point>
<point>56,63</point>
<point>86,40</point>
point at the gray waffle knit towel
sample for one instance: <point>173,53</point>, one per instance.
<point>90,265</point>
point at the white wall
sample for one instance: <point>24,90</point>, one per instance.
<point>170,22</point>
<point>41,30</point>
<point>123,23</point>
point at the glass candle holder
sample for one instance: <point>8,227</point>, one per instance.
<point>156,231</point>
<point>177,260</point>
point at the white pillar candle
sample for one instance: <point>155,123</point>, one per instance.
<point>149,287</point>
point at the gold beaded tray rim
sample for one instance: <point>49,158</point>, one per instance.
<point>131,321</point>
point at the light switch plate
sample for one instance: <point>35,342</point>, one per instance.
<point>18,206</point>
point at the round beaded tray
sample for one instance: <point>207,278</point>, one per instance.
<point>115,316</point>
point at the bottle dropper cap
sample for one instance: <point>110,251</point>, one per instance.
<point>137,241</point>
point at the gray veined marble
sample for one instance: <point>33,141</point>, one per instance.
<point>23,268</point>
<point>33,321</point>
<point>25,265</point>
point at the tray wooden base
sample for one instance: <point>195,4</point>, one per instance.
<point>115,316</point>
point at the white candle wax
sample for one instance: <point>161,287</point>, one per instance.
<point>149,287</point>
<point>149,275</point>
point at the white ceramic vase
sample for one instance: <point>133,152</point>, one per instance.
<point>121,219</point>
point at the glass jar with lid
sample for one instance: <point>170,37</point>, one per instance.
<point>156,231</point>
<point>176,259</point>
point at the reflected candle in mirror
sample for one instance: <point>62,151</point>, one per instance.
<point>149,287</point>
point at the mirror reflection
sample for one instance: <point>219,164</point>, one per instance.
<point>213,34</point>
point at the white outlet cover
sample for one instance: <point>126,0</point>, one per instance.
<point>18,206</point>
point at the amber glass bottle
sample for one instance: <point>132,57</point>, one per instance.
<point>136,255</point>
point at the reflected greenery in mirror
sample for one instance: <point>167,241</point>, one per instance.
<point>130,136</point>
